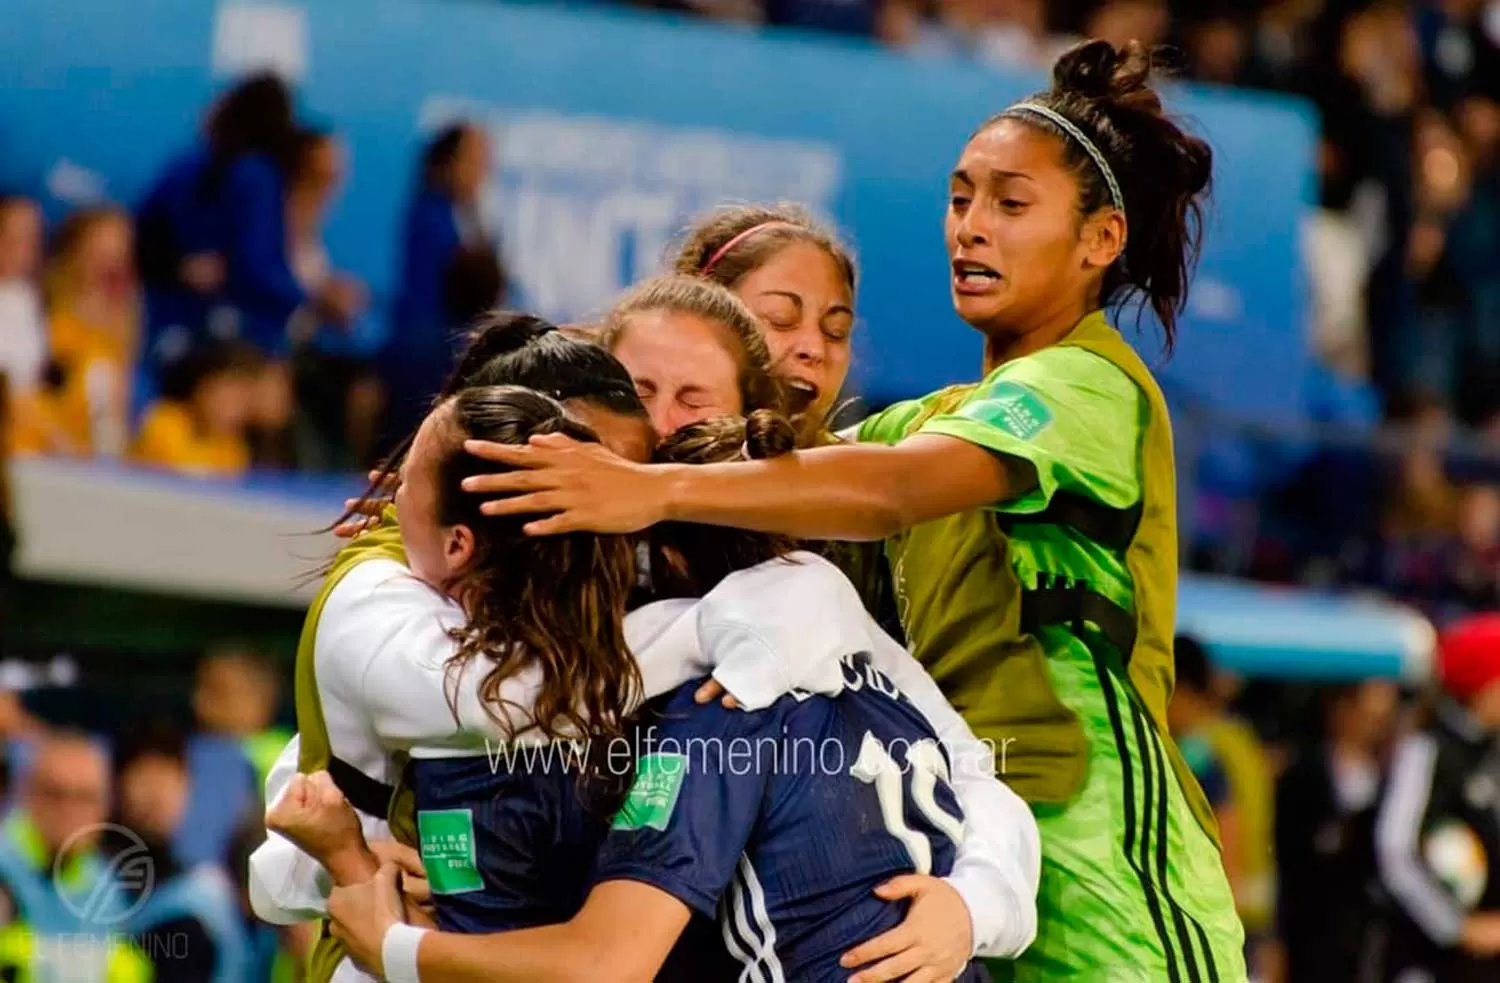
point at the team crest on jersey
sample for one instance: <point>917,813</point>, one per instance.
<point>1013,408</point>
<point>653,796</point>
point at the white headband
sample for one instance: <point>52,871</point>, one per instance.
<point>1072,130</point>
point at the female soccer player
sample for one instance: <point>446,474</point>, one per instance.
<point>693,349</point>
<point>377,607</point>
<point>1030,519</point>
<point>798,280</point>
<point>821,852</point>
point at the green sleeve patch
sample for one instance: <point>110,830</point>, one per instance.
<point>653,796</point>
<point>1010,407</point>
<point>446,838</point>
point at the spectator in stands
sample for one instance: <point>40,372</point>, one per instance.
<point>189,922</point>
<point>236,695</point>
<point>48,841</point>
<point>338,394</point>
<point>7,510</point>
<point>1325,856</point>
<point>23,337</point>
<point>450,272</point>
<point>1227,759</point>
<point>1003,33</point>
<point>180,247</point>
<point>1421,506</point>
<point>93,323</point>
<point>1475,571</point>
<point>199,425</point>
<point>1122,21</point>
<point>1217,45</point>
<point>1460,57</point>
<point>1437,835</point>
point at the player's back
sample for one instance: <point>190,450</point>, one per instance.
<point>809,805</point>
<point>508,839</point>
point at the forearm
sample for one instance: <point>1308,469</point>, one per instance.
<point>352,864</point>
<point>851,492</point>
<point>551,954</point>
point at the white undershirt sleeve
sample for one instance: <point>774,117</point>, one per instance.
<point>286,885</point>
<point>999,865</point>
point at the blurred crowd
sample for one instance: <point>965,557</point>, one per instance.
<point>208,330</point>
<point>148,832</point>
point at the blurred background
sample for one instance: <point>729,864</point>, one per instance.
<point>196,369</point>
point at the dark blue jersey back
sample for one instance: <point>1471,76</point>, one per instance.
<point>508,841</point>
<point>783,822</point>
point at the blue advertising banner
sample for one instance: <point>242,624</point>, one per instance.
<point>612,128</point>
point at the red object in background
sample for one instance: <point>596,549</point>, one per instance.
<point>1469,655</point>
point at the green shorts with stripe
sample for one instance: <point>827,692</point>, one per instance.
<point>1132,890</point>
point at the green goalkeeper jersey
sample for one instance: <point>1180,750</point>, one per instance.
<point>1047,619</point>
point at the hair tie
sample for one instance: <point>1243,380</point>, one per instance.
<point>745,450</point>
<point>1079,137</point>
<point>736,240</point>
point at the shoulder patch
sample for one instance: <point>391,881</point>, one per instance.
<point>653,795</point>
<point>1013,408</point>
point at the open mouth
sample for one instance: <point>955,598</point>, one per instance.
<point>801,394</point>
<point>972,277</point>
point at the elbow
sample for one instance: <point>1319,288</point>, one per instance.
<point>590,962</point>
<point>888,513</point>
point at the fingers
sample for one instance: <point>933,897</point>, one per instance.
<point>418,890</point>
<point>403,856</point>
<point>729,702</point>
<point>297,790</point>
<point>371,507</point>
<point>555,525</point>
<point>533,503</point>
<point>929,974</point>
<point>897,967</point>
<point>708,692</point>
<point>553,440</point>
<point>516,455</point>
<point>905,886</point>
<point>387,889</point>
<point>881,946</point>
<point>355,528</point>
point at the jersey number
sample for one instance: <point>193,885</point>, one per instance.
<point>926,763</point>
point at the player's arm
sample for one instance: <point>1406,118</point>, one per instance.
<point>622,934</point>
<point>851,492</point>
<point>997,870</point>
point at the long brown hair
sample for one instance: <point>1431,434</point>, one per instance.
<point>674,294</point>
<point>689,559</point>
<point>557,602</point>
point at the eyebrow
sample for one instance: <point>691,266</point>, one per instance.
<point>835,309</point>
<point>992,176</point>
<point>794,298</point>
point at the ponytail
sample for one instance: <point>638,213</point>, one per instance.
<point>1162,172</point>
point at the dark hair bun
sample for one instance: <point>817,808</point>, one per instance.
<point>495,334</point>
<point>769,434</point>
<point>503,332</point>
<point>1098,70</point>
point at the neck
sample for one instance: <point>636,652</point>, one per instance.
<point>1003,346</point>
